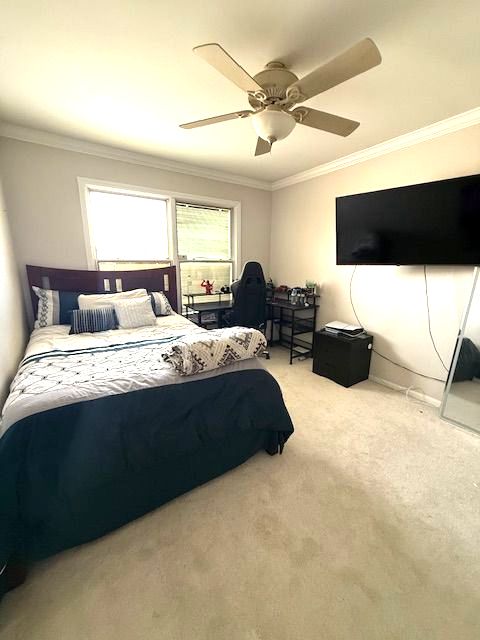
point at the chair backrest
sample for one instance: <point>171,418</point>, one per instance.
<point>250,297</point>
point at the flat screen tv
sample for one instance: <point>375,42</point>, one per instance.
<point>435,223</point>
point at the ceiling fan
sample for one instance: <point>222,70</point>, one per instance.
<point>274,92</point>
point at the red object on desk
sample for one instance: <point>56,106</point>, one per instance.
<point>208,286</point>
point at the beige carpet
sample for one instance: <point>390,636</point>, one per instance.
<point>367,527</point>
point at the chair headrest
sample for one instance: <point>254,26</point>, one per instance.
<point>252,270</point>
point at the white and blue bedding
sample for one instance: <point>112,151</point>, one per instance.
<point>98,429</point>
<point>60,369</point>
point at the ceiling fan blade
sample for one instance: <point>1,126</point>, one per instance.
<point>325,121</point>
<point>215,119</point>
<point>263,146</point>
<point>215,55</point>
<point>362,56</point>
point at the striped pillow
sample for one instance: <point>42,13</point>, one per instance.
<point>160,304</point>
<point>93,320</point>
<point>135,313</point>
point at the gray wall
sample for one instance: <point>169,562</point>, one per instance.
<point>390,301</point>
<point>12,320</point>
<point>41,191</point>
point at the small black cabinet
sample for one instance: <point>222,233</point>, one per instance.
<point>342,359</point>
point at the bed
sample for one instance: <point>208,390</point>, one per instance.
<point>98,429</point>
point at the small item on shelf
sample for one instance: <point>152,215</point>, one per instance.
<point>310,287</point>
<point>225,289</point>
<point>208,286</point>
<point>209,318</point>
<point>295,296</point>
<point>270,289</point>
<point>189,284</point>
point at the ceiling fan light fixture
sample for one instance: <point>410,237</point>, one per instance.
<point>273,124</point>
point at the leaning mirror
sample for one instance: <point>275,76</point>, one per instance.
<point>461,400</point>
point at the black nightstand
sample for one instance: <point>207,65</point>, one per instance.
<point>342,359</point>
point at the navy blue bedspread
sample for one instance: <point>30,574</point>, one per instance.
<point>70,474</point>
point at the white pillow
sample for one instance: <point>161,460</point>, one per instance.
<point>135,313</point>
<point>95,300</point>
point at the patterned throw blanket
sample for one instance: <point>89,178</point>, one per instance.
<point>219,347</point>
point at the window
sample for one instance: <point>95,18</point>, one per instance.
<point>128,227</point>
<point>204,238</point>
<point>128,231</point>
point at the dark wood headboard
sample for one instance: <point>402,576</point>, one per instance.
<point>164,279</point>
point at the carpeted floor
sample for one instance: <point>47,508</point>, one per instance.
<point>368,527</point>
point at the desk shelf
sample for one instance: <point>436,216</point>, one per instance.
<point>296,326</point>
<point>195,311</point>
<point>300,326</point>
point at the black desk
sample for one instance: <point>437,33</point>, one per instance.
<point>296,323</point>
<point>215,296</point>
<point>293,321</point>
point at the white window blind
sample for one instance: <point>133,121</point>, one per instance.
<point>204,233</point>
<point>128,227</point>
<point>204,237</point>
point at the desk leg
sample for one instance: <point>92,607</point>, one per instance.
<point>280,326</point>
<point>292,335</point>
<point>270,314</point>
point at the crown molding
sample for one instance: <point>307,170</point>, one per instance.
<point>449,125</point>
<point>37,136</point>
<point>441,128</point>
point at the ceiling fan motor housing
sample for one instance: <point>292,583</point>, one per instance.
<point>274,79</point>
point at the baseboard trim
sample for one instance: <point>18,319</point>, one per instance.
<point>413,394</point>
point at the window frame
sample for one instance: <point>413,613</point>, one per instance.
<point>231,260</point>
<point>171,198</point>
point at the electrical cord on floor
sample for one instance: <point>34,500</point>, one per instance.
<point>380,355</point>
<point>429,320</point>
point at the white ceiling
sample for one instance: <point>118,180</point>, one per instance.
<point>122,72</point>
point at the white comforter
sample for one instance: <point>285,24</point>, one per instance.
<point>60,369</point>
